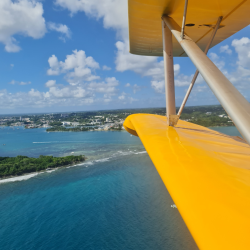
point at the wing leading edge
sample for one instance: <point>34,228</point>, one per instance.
<point>206,173</point>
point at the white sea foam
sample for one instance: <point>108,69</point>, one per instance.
<point>88,163</point>
<point>57,141</point>
<point>25,177</point>
<point>19,178</point>
<point>42,142</point>
<point>143,152</point>
<point>102,160</point>
<point>49,171</point>
<point>81,164</point>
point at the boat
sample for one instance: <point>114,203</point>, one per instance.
<point>206,173</point>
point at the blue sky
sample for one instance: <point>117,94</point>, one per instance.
<point>72,55</point>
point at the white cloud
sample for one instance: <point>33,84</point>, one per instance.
<point>50,83</point>
<point>76,66</point>
<point>56,96</point>
<point>63,95</point>
<point>12,82</point>
<point>12,65</point>
<point>136,88</point>
<point>114,15</point>
<point>24,83</point>
<point>242,47</point>
<point>158,82</point>
<point>108,87</point>
<point>19,83</point>
<point>216,60</point>
<point>76,95</point>
<point>113,12</point>
<point>106,67</point>
<point>126,61</point>
<point>241,76</point>
<point>125,98</point>
<point>24,17</point>
<point>35,93</point>
<point>122,96</point>
<point>54,66</point>
<point>61,28</point>
<point>225,49</point>
<point>67,92</point>
<point>147,66</point>
<point>158,86</point>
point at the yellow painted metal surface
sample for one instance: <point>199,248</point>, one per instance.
<point>206,173</point>
<point>145,31</point>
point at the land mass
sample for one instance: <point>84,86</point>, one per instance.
<point>20,165</point>
<point>208,116</point>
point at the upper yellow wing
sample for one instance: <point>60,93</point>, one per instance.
<point>206,173</point>
<point>145,30</point>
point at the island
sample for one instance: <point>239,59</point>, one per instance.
<point>20,165</point>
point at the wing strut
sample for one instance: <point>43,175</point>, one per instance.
<point>197,72</point>
<point>184,19</point>
<point>172,118</point>
<point>234,103</point>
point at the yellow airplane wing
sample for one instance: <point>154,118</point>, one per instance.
<point>206,173</point>
<point>145,30</point>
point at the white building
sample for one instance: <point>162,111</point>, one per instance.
<point>66,123</point>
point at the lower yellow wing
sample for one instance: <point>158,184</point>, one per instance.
<point>206,173</point>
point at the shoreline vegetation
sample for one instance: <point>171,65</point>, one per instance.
<point>22,165</point>
<point>63,129</point>
<point>81,129</point>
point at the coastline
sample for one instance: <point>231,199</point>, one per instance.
<point>27,176</point>
<point>68,161</point>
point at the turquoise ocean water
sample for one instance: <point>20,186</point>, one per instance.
<point>115,200</point>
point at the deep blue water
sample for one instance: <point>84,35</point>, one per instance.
<point>116,200</point>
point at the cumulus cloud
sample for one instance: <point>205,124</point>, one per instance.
<point>158,86</point>
<point>56,96</point>
<point>158,82</point>
<point>106,67</point>
<point>127,85</point>
<point>77,67</point>
<point>122,96</point>
<point>50,83</point>
<point>148,66</point>
<point>64,95</point>
<point>114,15</point>
<point>217,61</point>
<point>79,72</point>
<point>23,17</point>
<point>241,76</point>
<point>61,28</point>
<point>225,49</point>
<point>242,47</point>
<point>108,87</point>
<point>113,12</point>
